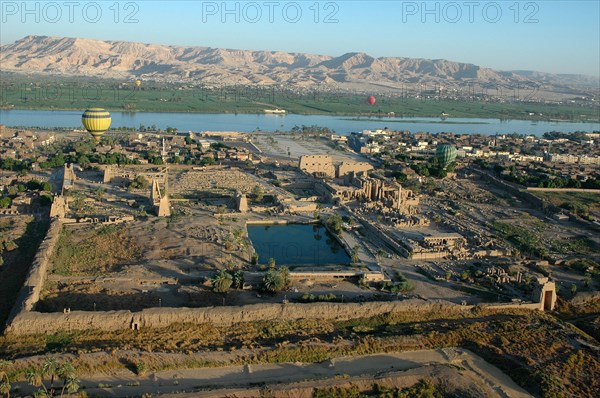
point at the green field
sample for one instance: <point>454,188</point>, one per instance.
<point>64,93</point>
<point>582,200</point>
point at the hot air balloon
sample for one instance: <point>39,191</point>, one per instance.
<point>96,121</point>
<point>371,100</point>
<point>445,154</point>
<point>138,83</point>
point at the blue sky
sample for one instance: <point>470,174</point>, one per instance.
<point>544,35</point>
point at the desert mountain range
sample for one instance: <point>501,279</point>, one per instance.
<point>218,66</point>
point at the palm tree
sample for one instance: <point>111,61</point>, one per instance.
<point>70,383</point>
<point>276,280</point>
<point>272,281</point>
<point>34,378</point>
<point>222,281</point>
<point>238,279</point>
<point>284,274</point>
<point>54,370</point>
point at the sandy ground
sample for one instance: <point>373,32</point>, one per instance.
<point>299,147</point>
<point>222,380</point>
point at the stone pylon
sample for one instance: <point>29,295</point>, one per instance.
<point>68,177</point>
<point>160,202</point>
<point>59,207</point>
<point>241,202</point>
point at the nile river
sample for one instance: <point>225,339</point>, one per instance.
<point>249,122</point>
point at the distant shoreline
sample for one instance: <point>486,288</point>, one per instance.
<point>358,117</point>
<point>427,121</point>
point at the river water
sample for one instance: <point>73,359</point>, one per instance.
<point>252,122</point>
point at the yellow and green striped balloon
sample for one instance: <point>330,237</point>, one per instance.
<point>96,121</point>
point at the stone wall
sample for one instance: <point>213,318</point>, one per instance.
<point>23,320</point>
<point>383,236</point>
<point>44,323</point>
<point>30,292</point>
<point>35,322</point>
<point>321,165</point>
<point>352,167</point>
<point>596,191</point>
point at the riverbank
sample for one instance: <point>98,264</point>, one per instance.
<point>403,108</point>
<point>269,123</point>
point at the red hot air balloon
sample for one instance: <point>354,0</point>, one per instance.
<point>371,100</point>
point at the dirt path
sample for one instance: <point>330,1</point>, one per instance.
<point>222,379</point>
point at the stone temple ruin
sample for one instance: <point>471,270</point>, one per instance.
<point>121,176</point>
<point>322,166</point>
<point>59,207</point>
<point>240,202</point>
<point>350,181</point>
<point>160,202</point>
<point>545,294</point>
<point>378,192</point>
<point>68,177</point>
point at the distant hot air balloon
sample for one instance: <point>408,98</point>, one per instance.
<point>445,154</point>
<point>96,121</point>
<point>138,83</point>
<point>371,100</point>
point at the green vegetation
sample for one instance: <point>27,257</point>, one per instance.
<point>533,348</point>
<point>354,254</point>
<point>5,202</point>
<point>525,240</point>
<point>432,168</point>
<point>580,203</point>
<point>5,386</point>
<point>93,250</point>
<point>396,287</point>
<point>140,182</point>
<point>423,389</point>
<point>222,281</point>
<point>311,298</point>
<point>35,185</point>
<point>55,371</point>
<point>545,182</point>
<point>585,316</point>
<point>334,223</point>
<point>238,279</point>
<point>579,245</point>
<point>531,242</point>
<point>23,93</point>
<point>275,280</point>
<point>141,368</point>
<point>10,192</point>
<point>258,193</point>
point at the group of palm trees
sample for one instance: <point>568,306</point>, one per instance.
<point>52,378</point>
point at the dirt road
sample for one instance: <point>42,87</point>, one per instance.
<point>223,380</point>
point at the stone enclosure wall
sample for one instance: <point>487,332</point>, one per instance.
<point>30,292</point>
<point>29,322</point>
<point>24,321</point>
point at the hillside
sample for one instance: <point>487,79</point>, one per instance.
<point>217,66</point>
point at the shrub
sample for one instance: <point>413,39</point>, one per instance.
<point>276,280</point>
<point>222,281</point>
<point>141,368</point>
